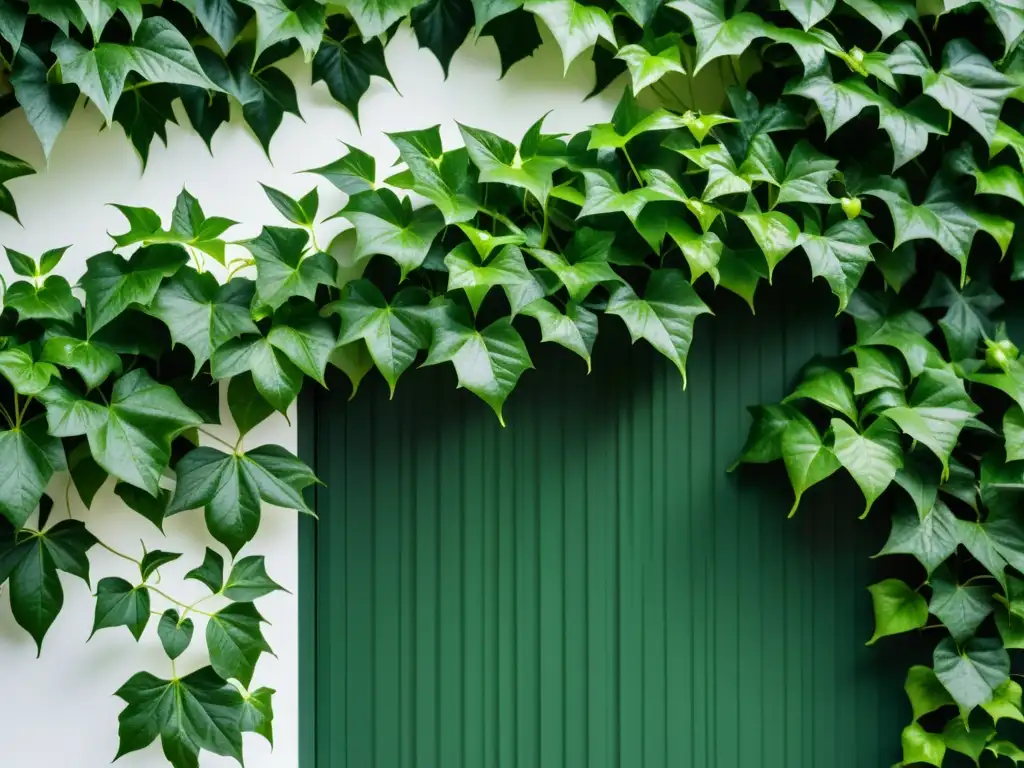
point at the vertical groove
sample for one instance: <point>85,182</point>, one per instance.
<point>588,588</point>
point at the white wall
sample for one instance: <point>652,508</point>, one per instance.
<point>59,710</point>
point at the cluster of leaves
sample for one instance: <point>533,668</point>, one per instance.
<point>882,168</point>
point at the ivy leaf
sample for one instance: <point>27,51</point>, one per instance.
<point>809,12</point>
<point>808,460</point>
<point>515,34</point>
<point>971,675</point>
<point>840,255</point>
<point>576,329</point>
<point>25,375</point>
<point>26,475</point>
<point>776,234</point>
<point>488,363</point>
<point>630,121</point>
<point>826,385</point>
<point>352,173</point>
<point>247,406</point>
<point>153,508</point>
<point>92,360</point>
<point>389,226</point>
<point>50,300</point>
<point>277,21</point>
<point>585,263</point>
<point>1013,432</point>
<point>442,27</point>
<point>716,34</point>
<point>198,711</point>
<point>98,12</point>
<point>131,437</point>
<point>189,226</point>
<point>664,316</point>
<point>223,20</point>
<point>175,634</point>
<point>284,269</point>
<point>898,609</point>
<point>205,111</point>
<point>966,740</point>
<point>872,457</point>
<point>500,162</point>
<point>939,407</point>
<point>210,572</point>
<point>158,53</point>
<point>575,27</point>
<point>764,442</point>
<point>346,64</point>
<point>201,314</point>
<point>47,106</point>
<point>154,560</point>
<point>920,746</point>
<point>441,177</point>
<point>113,284</point>
<point>807,175</point>
<point>931,539</point>
<point>724,177</point>
<point>277,379</point>
<point>647,67</point>
<point>248,580</point>
<point>394,332</point>
<point>1006,703</point>
<point>230,488</point>
<point>888,16</point>
<point>235,641</point>
<point>968,312</point>
<point>881,323</point>
<point>374,17</point>
<point>925,692</point>
<point>1002,180</point>
<point>258,714</point>
<point>604,196</point>
<point>967,85</point>
<point>961,607</point>
<point>876,369</point>
<point>11,168</point>
<point>12,25</point>
<point>119,604</point>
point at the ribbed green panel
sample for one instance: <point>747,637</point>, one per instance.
<point>589,587</point>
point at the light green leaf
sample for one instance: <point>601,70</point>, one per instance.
<point>189,226</point>
<point>647,67</point>
<point>1013,432</point>
<point>808,460</point>
<point>51,300</point>
<point>883,323</point>
<point>441,177</point>
<point>585,263</point>
<point>716,34</point>
<point>488,363</point>
<point>394,332</point>
<point>724,177</point>
<point>576,330</point>
<point>872,457</point>
<point>92,360</point>
<point>826,385</point>
<point>840,255</point>
<point>277,379</point>
<point>1002,180</point>
<point>1006,703</point>
<point>374,17</point>
<point>1004,748</point>
<point>931,539</point>
<point>876,369</point>
<point>664,316</point>
<point>898,609</point>
<point>603,195</point>
<point>499,161</point>
<point>25,375</point>
<point>575,27</point>
<point>920,746</point>
<point>507,268</point>
<point>776,234</point>
<point>158,53</point>
<point>809,12</point>
<point>925,692</point>
<point>258,714</point>
<point>973,673</point>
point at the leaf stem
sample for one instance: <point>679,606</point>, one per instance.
<point>165,596</point>
<point>502,218</point>
<point>24,411</point>
<point>122,555</point>
<point>192,607</point>
<point>546,228</point>
<point>219,440</point>
<point>6,415</point>
<point>312,237</point>
<point>631,166</point>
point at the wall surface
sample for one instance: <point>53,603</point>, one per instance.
<point>59,710</point>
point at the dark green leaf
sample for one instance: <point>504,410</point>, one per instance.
<point>175,633</point>
<point>113,284</point>
<point>930,539</point>
<point>973,673</point>
<point>235,641</point>
<point>352,173</point>
<point>211,571</point>
<point>119,604</point>
<point>153,508</point>
<point>248,580</point>
<point>155,559</point>
<point>347,66</point>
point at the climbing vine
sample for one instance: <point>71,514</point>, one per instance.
<point>880,140</point>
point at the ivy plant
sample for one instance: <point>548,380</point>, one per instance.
<point>883,142</point>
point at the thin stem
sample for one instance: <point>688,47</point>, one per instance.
<point>192,607</point>
<point>240,264</point>
<point>165,596</point>
<point>632,167</point>
<point>6,415</point>
<point>122,555</point>
<point>24,411</point>
<point>17,411</point>
<point>214,437</point>
<point>546,229</point>
<point>980,576</point>
<point>312,236</point>
<point>502,218</point>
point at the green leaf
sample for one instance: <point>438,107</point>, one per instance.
<point>175,633</point>
<point>488,363</point>
<point>1002,180</point>
<point>630,121</point>
<point>277,21</point>
<point>153,508</point>
<point>113,284</point>
<point>876,369</point>
<point>441,177</point>
<point>507,268</point>
<point>223,20</point>
<point>925,692</point>
<point>92,360</point>
<point>27,471</point>
<point>158,53</point>
<point>248,580</point>
<point>198,711</point>
<point>808,460</point>
<point>724,177</point>
<point>119,604</point>
<point>575,27</point>
<point>277,379</point>
<point>131,437</point>
<point>898,609</point>
<point>211,571</point>
<point>920,746</point>
<point>585,263</point>
<point>967,85</point>
<point>1006,703</point>
<point>516,35</point>
<point>389,226</point>
<point>11,168</point>
<point>968,313</point>
<point>52,300</point>
<point>872,458</point>
<point>776,234</point>
<point>807,175</point>
<point>306,340</point>
<point>939,407</point>
<point>576,329</point>
<point>12,24</point>
<point>231,486</point>
<point>931,539</point>
<point>375,16</point>
<point>809,12</point>
<point>884,323</point>
<point>500,162</point>
<point>764,442</point>
<point>86,474</point>
<point>888,16</point>
<point>302,212</point>
<point>647,67</point>
<point>442,27</point>
<point>716,34</point>
<point>346,66</point>
<point>827,385</point>
<point>840,255</point>
<point>961,607</point>
<point>283,268</point>
<point>202,315</point>
<point>24,374</point>
<point>1013,432</point>
<point>972,674</point>
<point>352,173</point>
<point>235,641</point>
<point>155,559</point>
<point>664,316</point>
<point>394,332</point>
<point>247,406</point>
<point>258,714</point>
<point>603,195</point>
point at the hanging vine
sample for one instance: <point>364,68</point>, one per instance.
<point>881,141</point>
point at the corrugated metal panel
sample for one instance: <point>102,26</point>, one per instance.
<point>589,588</point>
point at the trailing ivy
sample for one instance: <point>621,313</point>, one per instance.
<point>890,157</point>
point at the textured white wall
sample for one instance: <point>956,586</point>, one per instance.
<point>59,710</point>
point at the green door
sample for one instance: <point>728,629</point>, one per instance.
<point>589,587</point>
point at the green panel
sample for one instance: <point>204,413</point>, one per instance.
<point>589,587</point>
